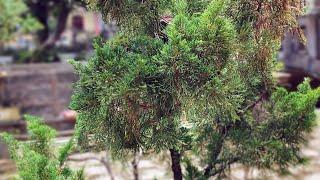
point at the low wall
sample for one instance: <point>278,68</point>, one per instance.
<point>38,89</point>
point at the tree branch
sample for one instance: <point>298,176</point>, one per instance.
<point>216,152</point>
<point>135,163</point>
<point>220,169</point>
<point>252,105</point>
<point>103,161</point>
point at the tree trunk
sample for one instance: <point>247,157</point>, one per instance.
<point>135,167</point>
<point>39,10</point>
<point>175,166</point>
<point>64,11</point>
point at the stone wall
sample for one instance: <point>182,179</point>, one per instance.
<point>38,89</point>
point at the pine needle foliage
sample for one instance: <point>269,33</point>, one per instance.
<point>260,25</point>
<point>36,158</point>
<point>206,93</point>
<point>134,16</point>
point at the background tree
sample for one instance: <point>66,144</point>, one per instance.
<point>25,16</point>
<point>207,94</point>
<point>59,9</point>
<point>14,19</point>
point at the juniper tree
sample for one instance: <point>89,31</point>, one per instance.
<point>204,94</point>
<point>36,159</point>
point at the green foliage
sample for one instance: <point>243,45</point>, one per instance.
<point>260,26</point>
<point>275,141</point>
<point>36,158</point>
<point>131,15</point>
<point>15,19</point>
<point>207,92</point>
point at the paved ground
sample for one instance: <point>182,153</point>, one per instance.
<point>157,168</point>
<point>148,168</point>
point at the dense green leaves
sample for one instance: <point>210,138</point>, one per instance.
<point>207,91</point>
<point>36,158</point>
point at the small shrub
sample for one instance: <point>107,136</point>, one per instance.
<point>36,158</point>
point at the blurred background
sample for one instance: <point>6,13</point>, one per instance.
<point>38,37</point>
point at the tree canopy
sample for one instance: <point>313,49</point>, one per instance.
<point>14,19</point>
<point>206,93</point>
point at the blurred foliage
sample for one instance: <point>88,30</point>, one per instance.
<point>15,18</point>
<point>45,19</point>
<point>36,158</point>
<point>36,56</point>
<point>207,92</point>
